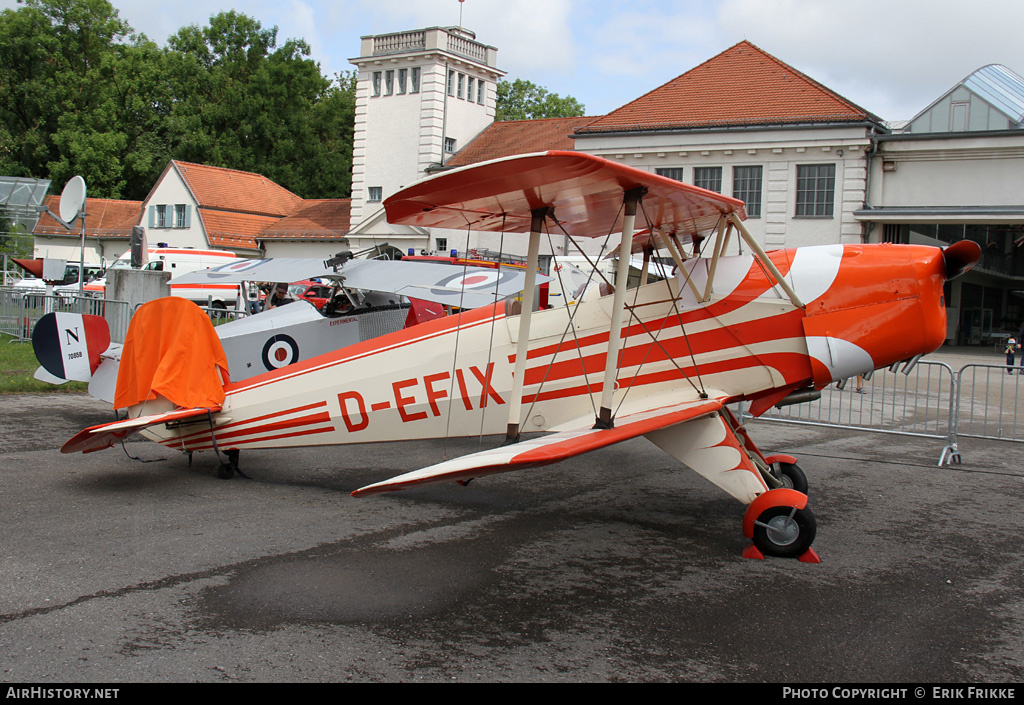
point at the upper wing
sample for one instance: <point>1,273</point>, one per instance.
<point>279,269</point>
<point>547,449</point>
<point>452,285</point>
<point>584,190</point>
<point>465,287</point>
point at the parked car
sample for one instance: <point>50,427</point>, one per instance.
<point>312,291</point>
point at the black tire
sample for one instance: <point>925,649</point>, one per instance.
<point>219,311</point>
<point>791,476</point>
<point>225,471</point>
<point>784,531</point>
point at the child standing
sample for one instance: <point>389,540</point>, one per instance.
<point>1011,349</point>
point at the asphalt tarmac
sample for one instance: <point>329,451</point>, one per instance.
<point>616,566</point>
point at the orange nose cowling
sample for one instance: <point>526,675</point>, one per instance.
<point>884,306</point>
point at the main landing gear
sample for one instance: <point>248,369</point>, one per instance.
<point>780,523</point>
<point>226,471</point>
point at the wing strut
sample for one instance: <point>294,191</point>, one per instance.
<point>523,342</point>
<point>611,362</point>
<point>765,260</point>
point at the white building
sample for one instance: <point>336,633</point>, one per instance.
<point>420,96</point>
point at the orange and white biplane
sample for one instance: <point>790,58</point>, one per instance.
<point>662,360</point>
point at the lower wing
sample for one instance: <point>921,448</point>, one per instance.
<point>547,449</point>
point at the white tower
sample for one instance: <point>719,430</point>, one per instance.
<point>420,97</point>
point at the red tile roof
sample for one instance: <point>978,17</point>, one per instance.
<point>237,209</point>
<point>103,218</point>
<point>233,190</point>
<point>314,219</point>
<point>504,139</point>
<point>741,86</point>
<point>234,230</point>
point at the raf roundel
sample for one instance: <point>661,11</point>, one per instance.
<point>474,281</point>
<point>280,351</point>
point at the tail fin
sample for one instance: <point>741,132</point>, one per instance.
<point>69,345</point>
<point>171,349</point>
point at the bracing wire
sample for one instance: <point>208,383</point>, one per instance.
<point>569,324</point>
<point>494,319</point>
<point>455,352</point>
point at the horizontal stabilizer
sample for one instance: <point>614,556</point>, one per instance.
<point>108,434</point>
<point>547,449</point>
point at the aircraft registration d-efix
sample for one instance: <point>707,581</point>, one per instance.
<point>661,360</point>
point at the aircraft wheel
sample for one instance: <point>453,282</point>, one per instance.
<point>791,476</point>
<point>783,531</point>
<point>225,471</point>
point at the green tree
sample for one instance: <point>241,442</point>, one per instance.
<point>523,100</point>
<point>242,102</point>
<point>57,58</point>
<point>82,93</point>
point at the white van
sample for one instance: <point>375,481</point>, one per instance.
<point>30,284</point>
<point>178,261</point>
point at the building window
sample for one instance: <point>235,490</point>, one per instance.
<point>161,217</point>
<point>746,186</point>
<point>389,82</point>
<point>403,76</point>
<point>449,145</point>
<point>709,177</point>
<point>441,244</point>
<point>451,82</point>
<point>469,88</point>
<point>376,193</point>
<point>414,75</point>
<point>815,190</point>
<point>376,83</point>
<point>675,172</point>
<point>179,216</point>
<point>462,85</point>
<point>480,91</point>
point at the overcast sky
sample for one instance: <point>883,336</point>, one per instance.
<point>891,57</point>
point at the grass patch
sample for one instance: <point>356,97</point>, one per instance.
<point>17,365</point>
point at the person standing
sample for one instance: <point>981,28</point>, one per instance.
<point>1010,351</point>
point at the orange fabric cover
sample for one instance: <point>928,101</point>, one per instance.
<point>173,350</point>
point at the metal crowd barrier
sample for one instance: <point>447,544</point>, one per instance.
<point>930,401</point>
<point>12,313</point>
<point>987,404</point>
<point>20,310</point>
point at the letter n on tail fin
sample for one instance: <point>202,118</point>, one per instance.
<point>69,345</point>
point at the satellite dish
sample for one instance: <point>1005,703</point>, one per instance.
<point>72,198</point>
